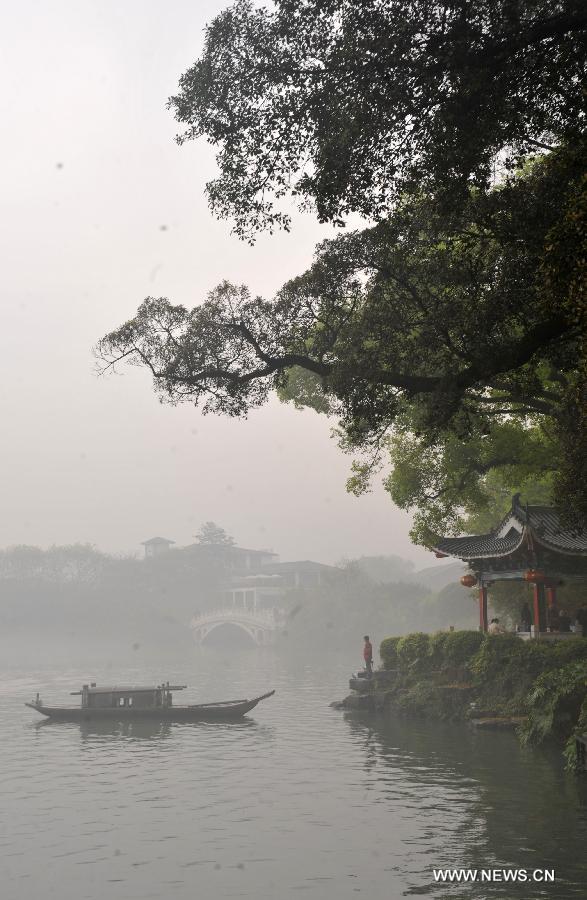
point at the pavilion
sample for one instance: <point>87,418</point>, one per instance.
<point>530,544</point>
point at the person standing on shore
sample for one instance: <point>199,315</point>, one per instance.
<point>368,655</point>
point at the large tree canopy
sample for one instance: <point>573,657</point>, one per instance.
<point>442,326</point>
<point>347,104</point>
<point>450,333</point>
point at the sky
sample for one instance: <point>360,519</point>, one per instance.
<point>100,209</point>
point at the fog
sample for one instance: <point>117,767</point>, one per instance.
<point>100,209</point>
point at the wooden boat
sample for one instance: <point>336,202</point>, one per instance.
<point>143,704</point>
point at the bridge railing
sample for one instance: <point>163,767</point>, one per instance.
<point>267,617</point>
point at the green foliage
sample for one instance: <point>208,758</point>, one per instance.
<point>504,657</point>
<point>500,484</point>
<point>506,668</point>
<point>459,647</point>
<point>437,649</point>
<point>421,699</point>
<point>570,751</point>
<point>464,483</point>
<point>386,324</point>
<point>507,656</point>
<point>442,650</point>
<point>555,702</point>
<point>456,324</point>
<point>547,681</point>
<point>413,650</point>
<point>388,652</point>
<point>347,105</point>
<point>305,390</point>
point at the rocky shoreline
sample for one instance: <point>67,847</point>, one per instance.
<point>536,688</point>
<point>379,695</point>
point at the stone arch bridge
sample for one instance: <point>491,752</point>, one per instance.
<point>260,624</point>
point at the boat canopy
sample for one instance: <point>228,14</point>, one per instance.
<point>134,689</point>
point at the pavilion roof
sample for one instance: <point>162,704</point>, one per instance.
<point>523,525</point>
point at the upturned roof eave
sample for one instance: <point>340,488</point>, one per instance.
<point>477,551</point>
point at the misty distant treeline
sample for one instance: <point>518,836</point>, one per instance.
<point>380,596</point>
<point>78,591</point>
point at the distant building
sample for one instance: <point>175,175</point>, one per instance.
<point>253,591</point>
<point>301,574</point>
<point>253,578</point>
<point>252,560</point>
<point>267,587</point>
<point>235,559</point>
<point>156,546</point>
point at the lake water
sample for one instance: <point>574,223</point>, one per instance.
<point>297,801</point>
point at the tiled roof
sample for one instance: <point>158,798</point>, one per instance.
<point>480,546</point>
<point>545,524</point>
<point>539,524</point>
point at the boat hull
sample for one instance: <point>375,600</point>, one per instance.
<point>206,712</point>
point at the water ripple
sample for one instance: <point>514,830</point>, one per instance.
<point>296,799</point>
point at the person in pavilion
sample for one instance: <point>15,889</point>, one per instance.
<point>496,627</point>
<point>525,617</point>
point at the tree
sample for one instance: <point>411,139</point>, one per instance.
<point>211,533</point>
<point>345,105</point>
<point>457,485</point>
<point>451,331</point>
<point>438,328</point>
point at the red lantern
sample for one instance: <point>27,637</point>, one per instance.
<point>468,581</point>
<point>534,576</point>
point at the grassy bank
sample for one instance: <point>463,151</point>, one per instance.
<point>465,674</point>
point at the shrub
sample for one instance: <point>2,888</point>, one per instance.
<point>570,751</point>
<point>454,649</point>
<point>437,648</point>
<point>413,650</point>
<point>506,653</point>
<point>568,651</point>
<point>503,651</point>
<point>388,652</point>
<point>461,646</point>
<point>555,702</point>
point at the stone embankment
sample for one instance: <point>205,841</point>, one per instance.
<point>382,694</point>
<point>537,688</point>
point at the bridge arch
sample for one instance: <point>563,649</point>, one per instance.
<point>259,625</point>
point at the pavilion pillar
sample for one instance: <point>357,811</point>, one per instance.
<point>551,596</point>
<point>539,609</point>
<point>483,608</point>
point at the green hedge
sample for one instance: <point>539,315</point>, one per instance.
<point>545,680</point>
<point>445,649</point>
<point>459,647</point>
<point>495,660</point>
<point>388,652</point>
<point>413,650</point>
<point>507,653</point>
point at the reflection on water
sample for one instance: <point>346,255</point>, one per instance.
<point>135,731</point>
<point>141,729</point>
<point>295,798</point>
<point>484,802</point>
